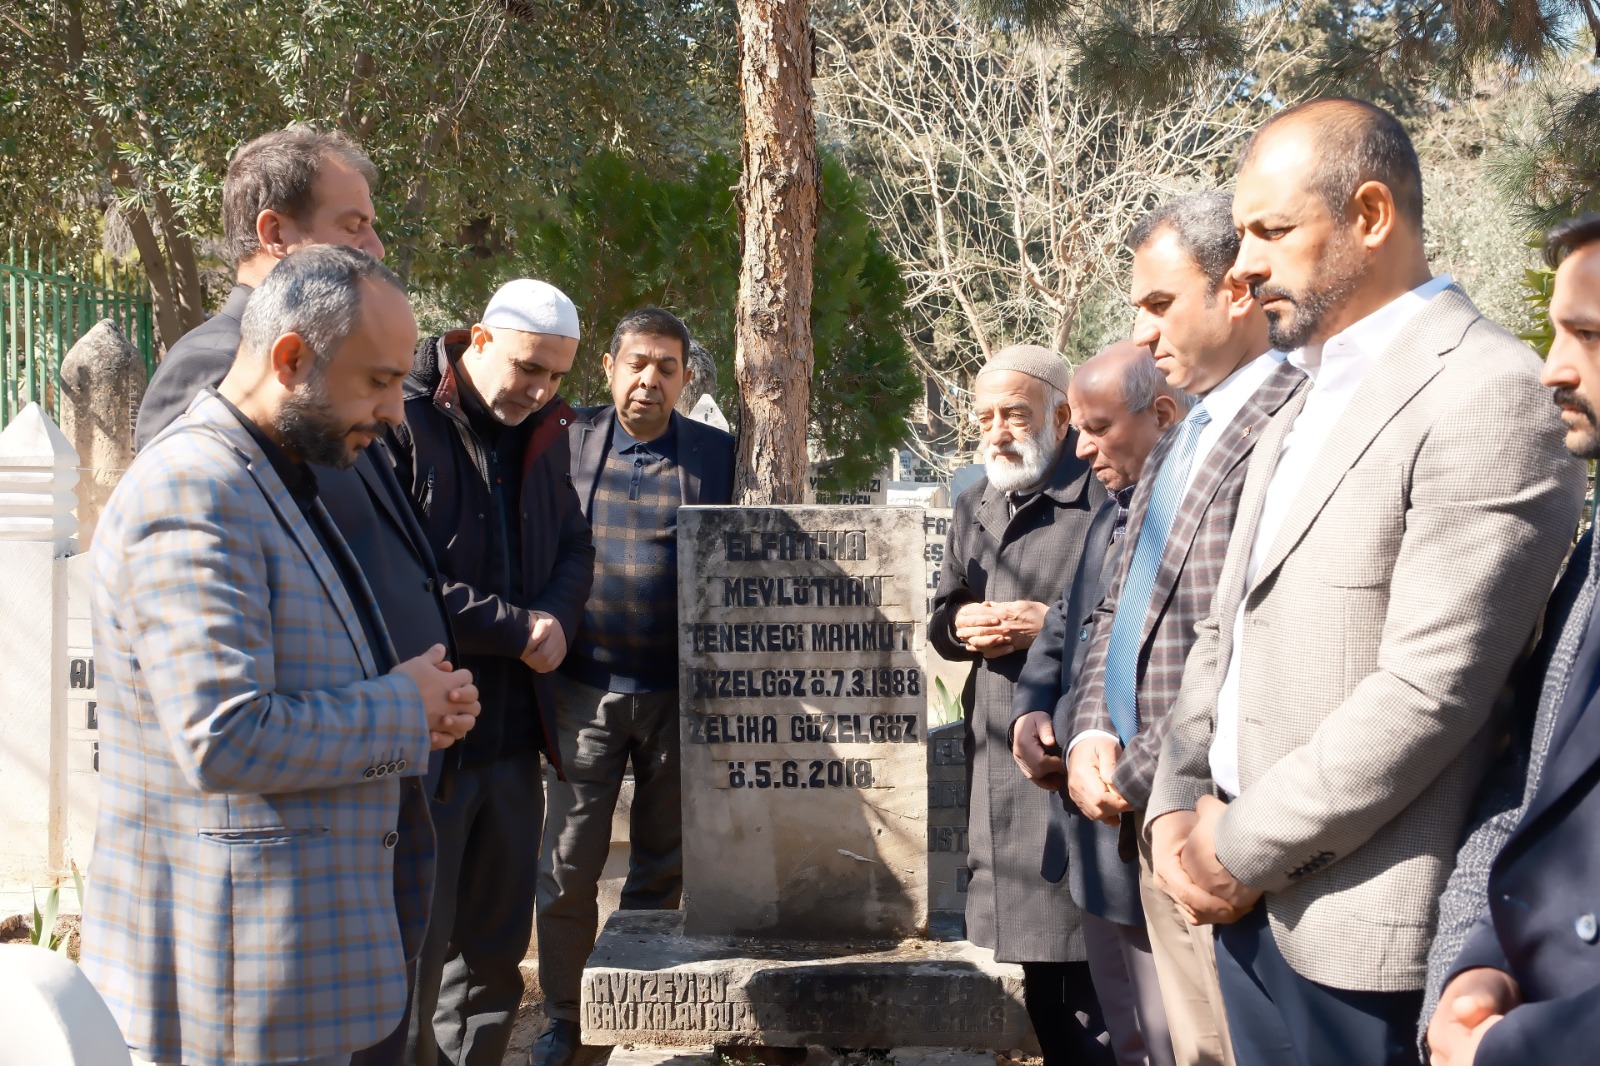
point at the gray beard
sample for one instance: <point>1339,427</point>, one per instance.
<point>1016,477</point>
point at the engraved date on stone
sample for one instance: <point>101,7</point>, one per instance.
<point>801,774</point>
<point>867,684</point>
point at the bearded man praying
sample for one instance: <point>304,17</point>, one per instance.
<point>1015,534</point>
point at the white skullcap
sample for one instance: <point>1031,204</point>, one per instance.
<point>1034,361</point>
<point>530,306</point>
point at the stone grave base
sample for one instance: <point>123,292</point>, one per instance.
<point>650,985</point>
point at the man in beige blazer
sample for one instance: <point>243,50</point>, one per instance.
<point>1400,527</point>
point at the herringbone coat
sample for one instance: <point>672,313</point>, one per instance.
<point>1181,596</point>
<point>995,555</point>
<point>242,895</point>
<point>1407,577</point>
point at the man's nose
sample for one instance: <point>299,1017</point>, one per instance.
<point>1085,448</point>
<point>373,244</point>
<point>1251,265</point>
<point>1146,329</point>
<point>1560,368</point>
<point>392,409</point>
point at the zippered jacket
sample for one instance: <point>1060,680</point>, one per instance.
<point>444,466</point>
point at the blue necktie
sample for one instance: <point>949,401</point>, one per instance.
<point>1122,654</point>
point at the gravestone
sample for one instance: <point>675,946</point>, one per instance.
<point>102,384</point>
<point>806,807</point>
<point>948,874</point>
<point>803,736</point>
<point>874,494</point>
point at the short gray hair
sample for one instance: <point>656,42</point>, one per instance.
<point>276,172</point>
<point>1203,224</point>
<point>314,292</point>
<point>1143,383</point>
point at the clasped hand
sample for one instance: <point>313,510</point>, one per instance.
<point>996,629</point>
<point>1185,866</point>
<point>547,643</point>
<point>1091,766</point>
<point>1471,1004</point>
<point>449,697</point>
<point>1033,746</point>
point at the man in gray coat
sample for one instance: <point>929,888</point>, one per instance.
<point>1399,530</point>
<point>1014,534</point>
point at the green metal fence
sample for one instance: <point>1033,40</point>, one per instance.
<point>47,302</point>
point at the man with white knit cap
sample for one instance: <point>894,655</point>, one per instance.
<point>1014,535</point>
<point>484,456</point>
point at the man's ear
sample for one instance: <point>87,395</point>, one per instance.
<point>1063,420</point>
<point>481,337</point>
<point>1166,409</point>
<point>292,360</point>
<point>607,364</point>
<point>1373,204</point>
<point>275,233</point>
<point>1238,295</point>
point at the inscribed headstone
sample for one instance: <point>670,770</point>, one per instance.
<point>803,726</point>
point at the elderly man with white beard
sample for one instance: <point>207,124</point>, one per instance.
<point>1014,534</point>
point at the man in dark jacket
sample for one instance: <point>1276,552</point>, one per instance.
<point>287,190</point>
<point>485,459</point>
<point>1012,535</point>
<point>1523,980</point>
<point>1101,868</point>
<point>634,462</point>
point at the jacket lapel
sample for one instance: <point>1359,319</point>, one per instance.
<point>589,452</point>
<point>1576,756</point>
<point>367,467</point>
<point>689,460</point>
<point>1231,449</point>
<point>1395,378</point>
<point>1230,587</point>
<point>293,520</point>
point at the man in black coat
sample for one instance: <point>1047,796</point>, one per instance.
<point>634,462</point>
<point>285,190</point>
<point>485,459</point>
<point>1012,535</point>
<point>1102,870</point>
<point>1525,987</point>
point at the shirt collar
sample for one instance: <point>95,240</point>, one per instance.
<point>623,442</point>
<point>1371,335</point>
<point>296,476</point>
<point>1234,391</point>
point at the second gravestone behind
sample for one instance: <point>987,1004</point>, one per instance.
<point>805,792</point>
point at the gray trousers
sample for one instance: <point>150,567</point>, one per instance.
<point>469,983</point>
<point>599,734</point>
<point>1124,975</point>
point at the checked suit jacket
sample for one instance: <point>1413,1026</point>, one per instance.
<point>241,903</point>
<point>1381,627</point>
<point>1190,566</point>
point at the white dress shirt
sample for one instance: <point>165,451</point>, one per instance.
<point>1336,369</point>
<point>1223,403</point>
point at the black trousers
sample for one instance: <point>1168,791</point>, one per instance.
<point>1279,1018</point>
<point>1066,1014</point>
<point>469,984</point>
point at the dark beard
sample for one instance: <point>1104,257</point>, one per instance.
<point>1311,307</point>
<point>1589,445</point>
<point>309,430</point>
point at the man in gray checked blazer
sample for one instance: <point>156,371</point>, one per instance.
<point>1210,339</point>
<point>243,907</point>
<point>1401,525</point>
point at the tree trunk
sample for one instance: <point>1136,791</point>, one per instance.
<point>778,198</point>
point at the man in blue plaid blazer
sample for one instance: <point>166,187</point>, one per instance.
<point>243,906</point>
